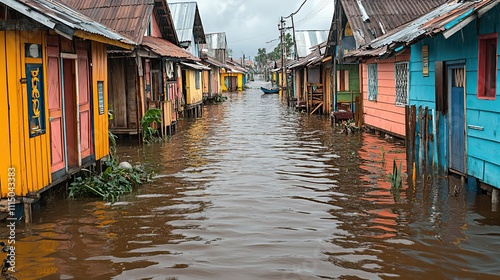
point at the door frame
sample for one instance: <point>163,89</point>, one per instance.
<point>74,58</point>
<point>450,66</point>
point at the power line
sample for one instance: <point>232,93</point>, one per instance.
<point>292,14</point>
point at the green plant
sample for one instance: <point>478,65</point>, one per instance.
<point>150,134</point>
<point>112,148</point>
<point>383,155</point>
<point>110,184</point>
<point>396,180</point>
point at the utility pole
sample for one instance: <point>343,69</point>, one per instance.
<point>283,60</point>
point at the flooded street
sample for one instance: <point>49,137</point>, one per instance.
<point>255,190</point>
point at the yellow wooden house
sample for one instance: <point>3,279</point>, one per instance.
<point>53,110</point>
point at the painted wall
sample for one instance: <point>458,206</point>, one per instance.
<point>100,73</point>
<point>193,95</point>
<point>239,78</point>
<point>483,147</point>
<point>29,156</point>
<point>345,96</point>
<point>383,113</point>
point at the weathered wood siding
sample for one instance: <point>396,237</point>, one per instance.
<point>483,146</point>
<point>383,113</point>
<point>29,156</point>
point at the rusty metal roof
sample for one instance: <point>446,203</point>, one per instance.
<point>213,61</point>
<point>167,49</point>
<point>187,22</point>
<point>446,19</point>
<point>305,39</point>
<point>370,19</point>
<point>128,17</point>
<point>63,18</point>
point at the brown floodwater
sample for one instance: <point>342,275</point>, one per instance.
<point>255,190</point>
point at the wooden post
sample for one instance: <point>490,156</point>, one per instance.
<point>426,139</point>
<point>421,140</point>
<point>413,133</point>
<point>27,211</point>
<point>407,139</point>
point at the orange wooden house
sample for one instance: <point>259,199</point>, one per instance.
<point>384,82</point>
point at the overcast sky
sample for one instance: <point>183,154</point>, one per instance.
<point>251,24</point>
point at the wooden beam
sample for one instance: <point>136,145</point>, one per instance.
<point>317,107</point>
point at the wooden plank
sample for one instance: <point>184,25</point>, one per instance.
<point>316,108</point>
<point>5,145</point>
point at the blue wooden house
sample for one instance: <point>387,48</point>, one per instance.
<point>454,77</point>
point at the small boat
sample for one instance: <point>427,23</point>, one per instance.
<point>269,91</point>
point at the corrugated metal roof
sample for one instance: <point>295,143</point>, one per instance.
<point>167,49</point>
<point>370,19</point>
<point>187,21</point>
<point>196,66</point>
<point>216,41</point>
<point>442,19</point>
<point>212,61</point>
<point>128,17</point>
<point>59,13</point>
<point>305,39</point>
<point>316,55</point>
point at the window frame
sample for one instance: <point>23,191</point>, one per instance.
<point>343,80</point>
<point>484,91</point>
<point>372,96</point>
<point>407,63</point>
<point>197,79</point>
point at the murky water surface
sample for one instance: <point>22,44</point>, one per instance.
<point>255,190</point>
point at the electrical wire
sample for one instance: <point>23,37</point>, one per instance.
<point>320,6</point>
<point>292,14</point>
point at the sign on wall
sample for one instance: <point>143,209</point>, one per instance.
<point>425,60</point>
<point>36,96</point>
<point>100,96</point>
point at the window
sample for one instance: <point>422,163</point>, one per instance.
<point>402,81</point>
<point>342,80</point>
<point>372,82</point>
<point>197,79</point>
<point>487,68</point>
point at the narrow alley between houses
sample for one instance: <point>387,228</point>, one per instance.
<point>256,190</point>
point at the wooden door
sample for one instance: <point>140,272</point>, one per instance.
<point>84,111</point>
<point>55,107</point>
<point>457,118</point>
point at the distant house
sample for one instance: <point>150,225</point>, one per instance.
<point>307,72</point>
<point>215,58</point>
<point>454,74</point>
<point>233,76</point>
<point>54,103</point>
<point>149,76</point>
<point>382,82</point>
<point>189,29</point>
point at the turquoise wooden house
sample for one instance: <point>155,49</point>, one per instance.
<point>454,77</point>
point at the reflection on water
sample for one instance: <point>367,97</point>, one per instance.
<point>254,190</point>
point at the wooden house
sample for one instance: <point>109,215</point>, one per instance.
<point>148,76</point>
<point>214,77</point>
<point>232,76</point>
<point>189,29</point>
<point>54,108</point>
<point>380,85</point>
<point>454,97</point>
<point>307,72</point>
<point>214,57</point>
